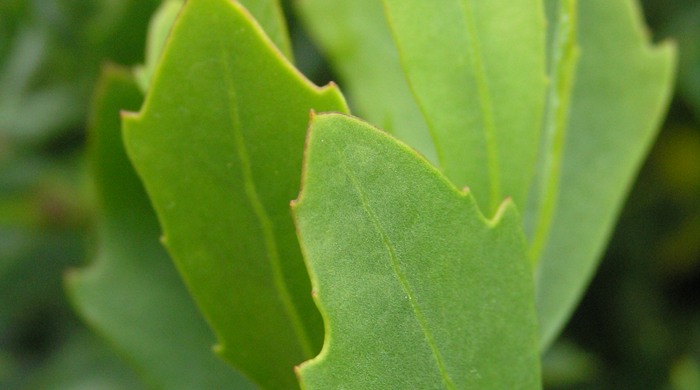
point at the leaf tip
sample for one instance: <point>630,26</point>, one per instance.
<point>333,88</point>
<point>297,373</point>
<point>504,210</point>
<point>128,115</point>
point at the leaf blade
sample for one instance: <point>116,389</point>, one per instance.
<point>357,39</point>
<point>479,77</point>
<point>270,16</point>
<point>221,170</point>
<point>564,55</point>
<point>416,287</point>
<point>607,139</point>
<point>132,294</point>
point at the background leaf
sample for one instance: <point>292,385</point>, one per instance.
<point>269,14</point>
<point>417,288</point>
<point>685,29</point>
<point>50,56</point>
<point>158,31</point>
<point>479,77</point>
<point>358,42</point>
<point>132,293</point>
<point>614,117</point>
<point>83,362</point>
<point>218,144</point>
<point>563,55</point>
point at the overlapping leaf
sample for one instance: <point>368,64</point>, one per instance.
<point>621,92</point>
<point>269,14</point>
<point>477,69</point>
<point>563,54</point>
<point>218,144</point>
<point>417,288</point>
<point>357,39</point>
<point>132,293</point>
<point>158,30</point>
<point>684,27</point>
<point>478,77</point>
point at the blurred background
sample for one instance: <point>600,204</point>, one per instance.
<point>638,326</point>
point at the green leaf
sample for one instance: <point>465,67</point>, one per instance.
<point>684,27</point>
<point>622,88</point>
<point>158,30</point>
<point>269,14</point>
<point>357,39</point>
<point>563,57</point>
<point>132,293</point>
<point>479,77</point>
<point>218,144</point>
<point>83,361</point>
<point>417,288</point>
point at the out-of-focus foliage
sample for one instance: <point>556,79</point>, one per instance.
<point>50,55</point>
<point>638,327</point>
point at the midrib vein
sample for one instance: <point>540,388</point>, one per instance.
<point>565,58</point>
<point>262,216</point>
<point>486,104</point>
<point>402,278</point>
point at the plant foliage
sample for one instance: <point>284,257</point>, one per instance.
<point>542,109</point>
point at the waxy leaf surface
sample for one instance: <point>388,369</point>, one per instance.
<point>218,144</point>
<point>357,39</point>
<point>132,294</point>
<point>418,290</point>
<point>479,77</point>
<point>621,91</point>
